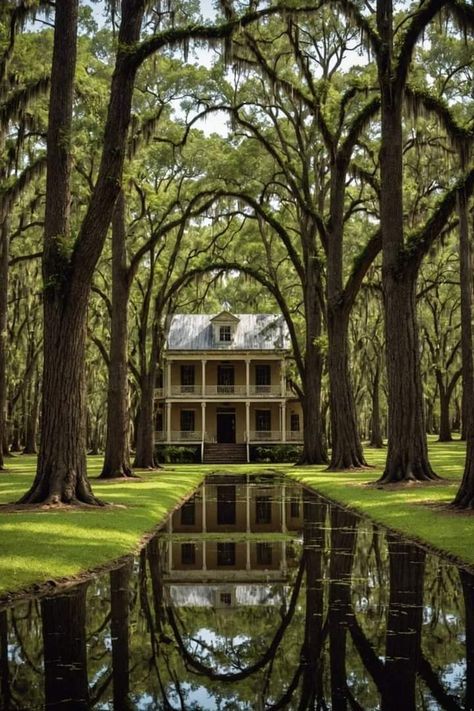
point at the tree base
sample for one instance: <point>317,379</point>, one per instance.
<point>61,488</point>
<point>121,472</point>
<point>464,501</point>
<point>346,462</point>
<point>398,472</point>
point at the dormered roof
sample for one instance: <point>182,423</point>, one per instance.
<point>261,332</point>
<point>225,316</point>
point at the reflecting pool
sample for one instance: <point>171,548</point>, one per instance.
<point>255,594</point>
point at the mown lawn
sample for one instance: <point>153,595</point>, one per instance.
<point>40,546</point>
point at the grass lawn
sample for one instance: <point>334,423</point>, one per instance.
<point>40,546</point>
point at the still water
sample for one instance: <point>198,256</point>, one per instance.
<point>256,594</point>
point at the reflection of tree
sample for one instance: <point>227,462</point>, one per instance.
<point>5,695</point>
<point>404,621</point>
<point>343,537</point>
<point>65,655</point>
<point>119,628</point>
<point>467,582</point>
<point>315,512</point>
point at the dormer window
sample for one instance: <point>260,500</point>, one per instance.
<point>225,333</point>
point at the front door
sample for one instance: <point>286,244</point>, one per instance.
<point>226,426</point>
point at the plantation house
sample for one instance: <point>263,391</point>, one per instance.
<point>224,385</point>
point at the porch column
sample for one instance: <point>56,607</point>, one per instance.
<point>168,378</point>
<point>203,429</point>
<point>203,377</point>
<point>168,422</point>
<point>247,428</point>
<point>282,378</point>
<point>204,518</point>
<point>283,421</point>
<point>247,377</point>
<point>283,509</point>
<point>247,505</point>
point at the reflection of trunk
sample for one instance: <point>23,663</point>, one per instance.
<point>346,447</point>
<point>65,652</point>
<point>343,537</point>
<point>404,622</point>
<point>5,694</point>
<point>467,582</point>
<point>117,447</point>
<point>119,630</point>
<point>156,574</point>
<point>4,257</point>
<point>311,651</point>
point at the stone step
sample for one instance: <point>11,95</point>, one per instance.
<point>224,453</point>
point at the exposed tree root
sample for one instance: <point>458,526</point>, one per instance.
<point>61,488</point>
<point>399,472</point>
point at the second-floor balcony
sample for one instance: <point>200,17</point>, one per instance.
<point>222,391</point>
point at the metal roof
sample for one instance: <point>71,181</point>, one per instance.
<point>261,332</point>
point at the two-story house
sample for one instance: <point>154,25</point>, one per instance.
<point>224,385</point>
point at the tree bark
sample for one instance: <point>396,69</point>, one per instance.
<point>117,446</point>
<point>65,650</point>
<point>4,258</point>
<point>346,450</point>
<point>314,448</point>
<point>404,623</point>
<point>31,434</point>
<point>376,439</point>
<point>465,496</point>
<point>444,421</point>
<point>145,451</point>
<point>407,454</point>
<point>68,267</point>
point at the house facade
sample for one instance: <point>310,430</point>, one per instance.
<point>224,385</point>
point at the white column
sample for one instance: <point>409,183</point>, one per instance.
<point>247,504</point>
<point>203,377</point>
<point>247,377</point>
<point>203,419</point>
<point>283,421</point>
<point>247,421</point>
<point>283,508</point>
<point>168,422</point>
<point>283,557</point>
<point>168,378</point>
<point>204,556</point>
<point>282,378</point>
<point>247,561</point>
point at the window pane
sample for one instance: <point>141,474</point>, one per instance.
<point>263,420</point>
<point>263,375</point>
<point>264,553</point>
<point>226,504</point>
<point>225,333</point>
<point>226,554</point>
<point>188,513</point>
<point>188,553</point>
<point>295,423</point>
<point>295,508</point>
<point>187,420</point>
<point>263,509</point>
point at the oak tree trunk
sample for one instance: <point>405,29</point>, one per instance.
<point>346,452</point>
<point>444,421</point>
<point>31,435</point>
<point>4,257</point>
<point>119,630</point>
<point>117,446</point>
<point>145,438</point>
<point>376,439</point>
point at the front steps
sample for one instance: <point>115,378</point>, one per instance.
<point>225,453</point>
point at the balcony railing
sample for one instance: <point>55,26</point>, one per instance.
<point>224,391</point>
<point>254,436</point>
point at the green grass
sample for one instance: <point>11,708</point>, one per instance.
<point>50,545</point>
<point>39,546</point>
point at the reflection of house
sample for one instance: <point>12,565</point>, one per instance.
<point>233,505</point>
<point>225,384</point>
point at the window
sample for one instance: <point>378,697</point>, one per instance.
<point>226,505</point>
<point>264,553</point>
<point>187,378</point>
<point>226,554</point>
<point>159,421</point>
<point>263,509</point>
<point>225,378</point>
<point>295,422</point>
<point>263,420</point>
<point>263,378</point>
<point>295,508</point>
<point>188,513</point>
<point>187,420</point>
<point>226,599</point>
<point>225,333</point>
<point>188,554</point>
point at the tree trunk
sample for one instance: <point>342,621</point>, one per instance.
<point>32,420</point>
<point>404,623</point>
<point>4,258</point>
<point>444,421</point>
<point>68,266</point>
<point>145,451</point>
<point>376,439</point>
<point>314,449</point>
<point>465,496</point>
<point>117,447</point>
<point>346,450</point>
<point>407,454</point>
<point>65,650</point>
<point>119,630</point>
<point>5,688</point>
